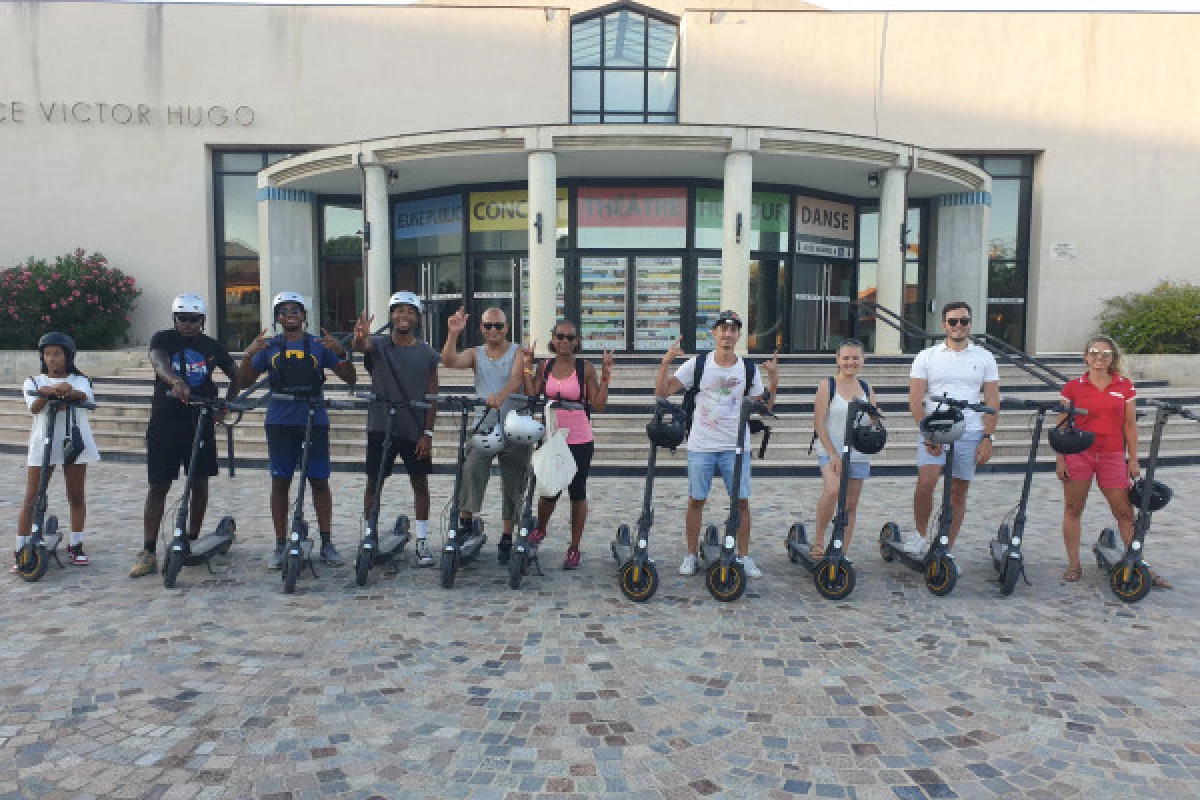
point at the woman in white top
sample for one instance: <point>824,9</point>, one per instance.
<point>829,421</point>
<point>59,378</point>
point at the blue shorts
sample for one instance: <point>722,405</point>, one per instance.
<point>703,466</point>
<point>859,470</point>
<point>964,455</point>
<point>285,445</point>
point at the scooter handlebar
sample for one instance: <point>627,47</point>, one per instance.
<point>1174,408</point>
<point>378,398</point>
<point>63,401</point>
<point>947,400</point>
<point>565,405</point>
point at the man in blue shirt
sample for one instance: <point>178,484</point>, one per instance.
<point>296,362</point>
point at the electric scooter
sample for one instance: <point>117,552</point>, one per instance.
<point>461,546</point>
<point>523,559</point>
<point>372,548</point>
<point>299,547</point>
<point>183,550</point>
<point>833,574</point>
<point>1010,537</point>
<point>724,574</point>
<point>941,573</point>
<point>33,558</point>
<point>637,575</point>
<point>1129,575</point>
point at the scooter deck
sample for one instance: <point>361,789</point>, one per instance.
<point>207,546</point>
<point>798,550</point>
<point>1108,557</point>
<point>391,545</point>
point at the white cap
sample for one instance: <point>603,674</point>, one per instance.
<point>405,299</point>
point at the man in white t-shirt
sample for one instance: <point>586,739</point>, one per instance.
<point>965,371</point>
<point>712,442</point>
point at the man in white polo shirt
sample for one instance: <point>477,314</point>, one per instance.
<point>960,369</point>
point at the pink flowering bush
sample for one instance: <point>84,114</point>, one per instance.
<point>78,294</point>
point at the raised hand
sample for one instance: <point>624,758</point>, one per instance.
<point>456,323</point>
<point>362,330</point>
<point>332,344</point>
<point>771,368</point>
<point>607,365</point>
<point>674,351</point>
<point>527,354</point>
<point>260,343</point>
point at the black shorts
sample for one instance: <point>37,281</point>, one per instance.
<point>405,448</point>
<point>577,491</point>
<point>169,446</point>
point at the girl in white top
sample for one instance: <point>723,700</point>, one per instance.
<point>59,378</point>
<point>829,421</point>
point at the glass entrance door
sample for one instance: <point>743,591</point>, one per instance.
<point>440,284</point>
<point>822,296</point>
<point>493,285</point>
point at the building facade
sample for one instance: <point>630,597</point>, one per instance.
<point>633,167</point>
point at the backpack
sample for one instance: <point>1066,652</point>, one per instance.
<point>866,387</point>
<point>581,372</point>
<point>303,377</point>
<point>689,396</point>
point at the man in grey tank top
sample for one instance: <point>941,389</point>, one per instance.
<point>497,375</point>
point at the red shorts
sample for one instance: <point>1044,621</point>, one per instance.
<point>1107,465</point>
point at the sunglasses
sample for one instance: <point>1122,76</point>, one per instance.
<point>289,312</point>
<point>1094,353</point>
<point>565,337</point>
<point>956,321</point>
<point>494,326</point>
<point>190,319</point>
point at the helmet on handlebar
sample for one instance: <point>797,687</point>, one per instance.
<point>1160,494</point>
<point>522,428</point>
<point>668,428</point>
<point>488,440</point>
<point>868,434</point>
<point>944,426</point>
<point>1066,438</point>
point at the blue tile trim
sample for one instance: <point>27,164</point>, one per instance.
<point>965,199</point>
<point>285,195</point>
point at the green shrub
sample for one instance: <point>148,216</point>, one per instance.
<point>79,294</point>
<point>1164,320</point>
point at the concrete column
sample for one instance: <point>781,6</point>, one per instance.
<point>960,256</point>
<point>889,290</point>
<point>287,249</point>
<point>379,257</point>
<point>735,254</point>
<point>543,177</point>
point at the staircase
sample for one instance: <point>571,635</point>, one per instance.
<point>119,423</point>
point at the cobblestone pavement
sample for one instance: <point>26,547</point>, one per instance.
<point>226,687</point>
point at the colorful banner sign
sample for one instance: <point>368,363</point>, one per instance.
<point>509,210</point>
<point>824,228</point>
<point>434,216</point>
<point>769,211</point>
<point>632,207</point>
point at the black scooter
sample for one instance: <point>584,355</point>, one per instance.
<point>183,550</point>
<point>636,574</point>
<point>833,574</point>
<point>724,574</point>
<point>372,548</point>
<point>299,547</point>
<point>1010,537</point>
<point>1129,575</point>
<point>33,558</point>
<point>941,573</point>
<point>461,546</point>
<point>523,559</point>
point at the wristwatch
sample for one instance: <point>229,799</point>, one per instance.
<point>989,437</point>
<point>429,433</point>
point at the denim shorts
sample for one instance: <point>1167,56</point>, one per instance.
<point>859,470</point>
<point>964,455</point>
<point>703,466</point>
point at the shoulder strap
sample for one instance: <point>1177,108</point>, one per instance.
<point>387,363</point>
<point>866,387</point>
<point>698,372</point>
<point>749,376</point>
<point>581,376</point>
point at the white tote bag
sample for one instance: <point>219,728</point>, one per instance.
<point>553,464</point>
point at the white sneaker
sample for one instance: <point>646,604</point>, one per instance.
<point>688,567</point>
<point>914,544</point>
<point>750,567</point>
<point>424,557</point>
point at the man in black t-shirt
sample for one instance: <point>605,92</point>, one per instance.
<point>184,360</point>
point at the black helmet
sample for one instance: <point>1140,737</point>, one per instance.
<point>1067,439</point>
<point>868,434</point>
<point>944,426</point>
<point>668,428</point>
<point>1160,494</point>
<point>59,339</point>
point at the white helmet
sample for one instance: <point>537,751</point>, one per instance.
<point>189,303</point>
<point>523,428</point>
<point>405,299</point>
<point>489,440</point>
<point>288,297</point>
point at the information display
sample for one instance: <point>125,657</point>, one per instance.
<point>708,299</point>
<point>656,302</point>
<point>602,285</point>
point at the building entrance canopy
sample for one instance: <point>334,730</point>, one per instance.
<point>850,169</point>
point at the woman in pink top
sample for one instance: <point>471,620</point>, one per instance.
<point>558,378</point>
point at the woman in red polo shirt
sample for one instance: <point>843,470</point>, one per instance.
<point>1109,398</point>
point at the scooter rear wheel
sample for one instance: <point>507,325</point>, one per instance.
<point>1130,584</point>
<point>449,567</point>
<point>725,584</point>
<point>171,568</point>
<point>291,571</point>
<point>226,527</point>
<point>32,561</point>
<point>941,575</point>
<point>1010,570</point>
<point>516,565</point>
<point>837,586</point>
<point>796,539</point>
<point>362,566</point>
<point>889,533</point>
<point>639,583</point>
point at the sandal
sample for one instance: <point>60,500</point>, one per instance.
<point>1159,582</point>
<point>1072,574</point>
<point>816,552</point>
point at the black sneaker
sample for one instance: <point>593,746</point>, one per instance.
<point>504,549</point>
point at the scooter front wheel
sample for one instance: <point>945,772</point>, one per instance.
<point>1010,570</point>
<point>834,581</point>
<point>362,566</point>
<point>1130,583</point>
<point>32,561</point>
<point>941,575</point>
<point>639,582</point>
<point>726,583</point>
<point>291,571</point>
<point>171,567</point>
<point>516,565</point>
<point>449,567</point>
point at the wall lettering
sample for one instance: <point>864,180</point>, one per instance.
<point>125,114</point>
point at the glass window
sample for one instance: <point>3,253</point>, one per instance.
<point>585,90</point>
<point>662,92</point>
<point>341,224</point>
<point>1003,167</point>
<point>768,229</point>
<point>625,91</point>
<point>241,303</point>
<point>1003,224</point>
<point>585,42</point>
<point>240,162</point>
<point>662,47</point>
<point>868,235</point>
<point>273,158</point>
<point>239,205</point>
<point>624,39</point>
<point>630,216</point>
<point>624,69</point>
